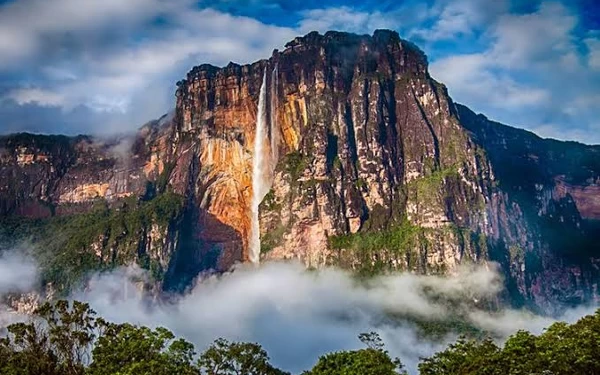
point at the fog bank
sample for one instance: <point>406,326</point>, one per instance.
<point>298,315</point>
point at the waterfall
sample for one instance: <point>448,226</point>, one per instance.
<point>263,164</point>
<point>260,183</point>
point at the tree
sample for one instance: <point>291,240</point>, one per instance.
<point>131,350</point>
<point>374,360</point>
<point>68,339</point>
<point>372,340</point>
<point>562,349</point>
<point>235,358</point>
<point>462,358</point>
<point>58,342</point>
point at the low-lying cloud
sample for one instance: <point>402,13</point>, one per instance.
<point>298,315</point>
<point>18,273</point>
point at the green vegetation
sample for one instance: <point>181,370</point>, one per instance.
<point>360,183</point>
<point>561,350</point>
<point>272,238</point>
<point>430,186</point>
<point>69,247</point>
<point>398,238</point>
<point>436,329</point>
<point>374,360</point>
<point>227,358</point>
<point>69,339</point>
<point>294,164</point>
<point>163,179</point>
<point>269,202</point>
<point>374,249</point>
<point>378,219</point>
<point>516,253</point>
<point>337,163</point>
<point>73,341</point>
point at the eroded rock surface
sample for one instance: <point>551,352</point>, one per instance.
<point>374,168</point>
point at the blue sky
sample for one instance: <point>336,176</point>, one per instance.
<point>102,66</point>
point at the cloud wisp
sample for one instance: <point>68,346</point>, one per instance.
<point>18,274</point>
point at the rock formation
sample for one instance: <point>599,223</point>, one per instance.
<point>372,165</point>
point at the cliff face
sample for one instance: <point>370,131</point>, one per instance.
<point>555,185</point>
<point>371,166</point>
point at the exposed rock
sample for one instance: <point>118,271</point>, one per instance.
<point>375,169</point>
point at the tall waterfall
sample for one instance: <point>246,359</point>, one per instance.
<point>260,171</point>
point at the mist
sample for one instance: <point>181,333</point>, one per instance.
<point>18,273</point>
<point>298,315</point>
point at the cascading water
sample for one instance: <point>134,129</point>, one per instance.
<point>260,168</point>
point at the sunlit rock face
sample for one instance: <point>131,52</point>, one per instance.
<point>370,166</point>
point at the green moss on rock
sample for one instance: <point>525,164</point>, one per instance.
<point>272,238</point>
<point>398,238</point>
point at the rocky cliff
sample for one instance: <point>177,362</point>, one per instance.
<point>370,164</point>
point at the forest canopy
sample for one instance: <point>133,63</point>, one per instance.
<point>68,338</point>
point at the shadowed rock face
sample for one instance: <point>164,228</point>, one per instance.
<point>374,168</point>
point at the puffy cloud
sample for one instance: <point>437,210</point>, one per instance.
<point>325,312</point>
<point>521,41</point>
<point>471,78</point>
<point>361,21</point>
<point>452,19</point>
<point>25,25</point>
<point>532,74</point>
<point>117,61</point>
<point>587,134</point>
<point>593,45</point>
<point>132,82</point>
<point>345,18</point>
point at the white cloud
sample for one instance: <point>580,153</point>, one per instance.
<point>17,272</point>
<point>325,311</point>
<point>524,40</point>
<point>38,96</point>
<point>593,45</point>
<point>25,24</point>
<point>589,135</point>
<point>345,19</point>
<point>117,80</point>
<point>471,78</point>
<point>532,72</point>
<point>457,18</point>
<point>110,57</point>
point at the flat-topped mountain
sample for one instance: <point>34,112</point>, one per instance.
<point>339,149</point>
